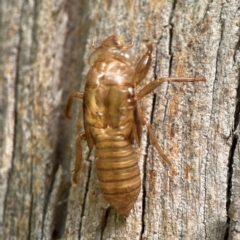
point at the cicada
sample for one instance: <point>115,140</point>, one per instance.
<point>113,120</point>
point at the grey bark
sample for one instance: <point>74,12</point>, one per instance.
<point>44,47</point>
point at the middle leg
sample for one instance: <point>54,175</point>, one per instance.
<point>156,83</point>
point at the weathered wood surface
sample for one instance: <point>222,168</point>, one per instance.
<point>44,46</point>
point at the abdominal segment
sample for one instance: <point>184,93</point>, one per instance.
<point>118,174</point>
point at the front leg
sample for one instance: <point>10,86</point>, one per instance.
<point>70,101</point>
<point>143,65</point>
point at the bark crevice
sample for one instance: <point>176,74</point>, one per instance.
<point>237,110</point>
<point>102,225</point>
<point>144,180</point>
<point>235,140</point>
<point>171,24</point>
<point>144,191</point>
<point>31,203</point>
<point>85,196</point>
<point>229,183</point>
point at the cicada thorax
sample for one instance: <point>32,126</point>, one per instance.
<point>109,115</point>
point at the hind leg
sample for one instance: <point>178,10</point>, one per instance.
<point>78,160</point>
<point>154,141</point>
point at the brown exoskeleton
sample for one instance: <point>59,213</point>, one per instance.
<point>113,121</point>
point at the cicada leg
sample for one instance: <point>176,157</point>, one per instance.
<point>156,83</point>
<point>70,101</point>
<point>78,160</point>
<point>154,141</point>
<point>143,65</point>
<point>149,88</point>
<point>81,136</point>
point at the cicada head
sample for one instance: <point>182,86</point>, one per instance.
<point>113,47</point>
<point>113,41</point>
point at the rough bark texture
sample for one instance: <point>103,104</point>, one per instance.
<point>44,46</point>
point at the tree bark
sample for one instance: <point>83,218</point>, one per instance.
<point>44,48</point>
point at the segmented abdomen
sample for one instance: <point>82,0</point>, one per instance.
<point>118,174</point>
